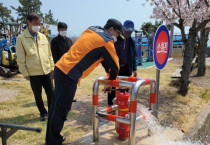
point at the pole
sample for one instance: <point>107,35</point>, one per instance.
<point>157,89</point>
<point>140,48</point>
<point>4,136</point>
<point>138,40</point>
<point>95,125</point>
<point>171,41</point>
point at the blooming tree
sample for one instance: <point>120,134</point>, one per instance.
<point>148,27</point>
<point>181,13</point>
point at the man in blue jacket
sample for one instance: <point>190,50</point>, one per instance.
<point>126,51</point>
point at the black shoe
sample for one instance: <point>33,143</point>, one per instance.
<point>64,138</point>
<point>43,117</point>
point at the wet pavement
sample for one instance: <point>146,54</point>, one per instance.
<point>207,140</point>
<point>108,136</point>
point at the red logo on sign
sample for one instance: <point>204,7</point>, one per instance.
<point>162,47</point>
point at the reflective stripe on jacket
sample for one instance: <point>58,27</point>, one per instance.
<point>93,46</point>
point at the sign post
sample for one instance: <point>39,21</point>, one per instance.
<point>150,47</point>
<point>161,47</point>
<point>138,39</point>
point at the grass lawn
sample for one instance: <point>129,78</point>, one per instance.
<point>22,109</point>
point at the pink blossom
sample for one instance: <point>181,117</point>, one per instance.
<point>173,10</point>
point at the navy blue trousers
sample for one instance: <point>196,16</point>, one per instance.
<point>124,71</point>
<point>65,89</point>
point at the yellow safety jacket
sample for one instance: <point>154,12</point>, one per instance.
<point>33,57</point>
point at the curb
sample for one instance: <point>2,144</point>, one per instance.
<point>201,127</point>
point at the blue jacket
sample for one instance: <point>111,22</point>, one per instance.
<point>132,54</point>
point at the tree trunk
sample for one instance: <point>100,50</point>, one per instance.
<point>202,51</point>
<point>171,40</point>
<point>187,62</point>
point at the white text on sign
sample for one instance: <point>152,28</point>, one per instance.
<point>162,47</point>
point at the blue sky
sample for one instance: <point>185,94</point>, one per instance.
<point>80,14</point>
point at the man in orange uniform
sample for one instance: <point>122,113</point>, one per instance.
<point>96,44</point>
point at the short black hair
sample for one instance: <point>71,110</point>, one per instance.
<point>62,25</point>
<point>32,16</point>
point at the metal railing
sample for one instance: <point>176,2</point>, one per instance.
<point>134,84</point>
<point>4,134</point>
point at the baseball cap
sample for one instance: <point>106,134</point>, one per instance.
<point>128,25</point>
<point>117,25</point>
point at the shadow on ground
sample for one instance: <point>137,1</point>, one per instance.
<point>32,104</point>
<point>21,119</point>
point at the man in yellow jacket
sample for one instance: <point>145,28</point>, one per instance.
<point>96,44</point>
<point>35,61</point>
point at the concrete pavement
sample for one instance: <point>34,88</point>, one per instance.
<point>108,136</point>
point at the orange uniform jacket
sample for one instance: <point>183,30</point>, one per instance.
<point>92,47</point>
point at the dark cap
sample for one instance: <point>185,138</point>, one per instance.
<point>114,23</point>
<point>117,25</point>
<point>128,25</point>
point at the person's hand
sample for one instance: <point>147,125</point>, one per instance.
<point>27,77</point>
<point>134,74</point>
<point>107,75</point>
<point>107,88</point>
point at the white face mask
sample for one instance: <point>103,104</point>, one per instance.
<point>36,28</point>
<point>115,38</point>
<point>63,33</point>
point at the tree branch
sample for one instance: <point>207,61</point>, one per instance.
<point>182,30</point>
<point>188,3</point>
<point>162,11</point>
<point>173,9</point>
<point>179,9</point>
<point>177,25</point>
<point>202,24</point>
<point>198,6</point>
<point>206,2</point>
<point>194,24</point>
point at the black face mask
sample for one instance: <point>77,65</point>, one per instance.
<point>119,38</point>
<point>127,34</point>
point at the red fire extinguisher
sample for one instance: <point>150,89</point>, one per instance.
<point>122,102</point>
